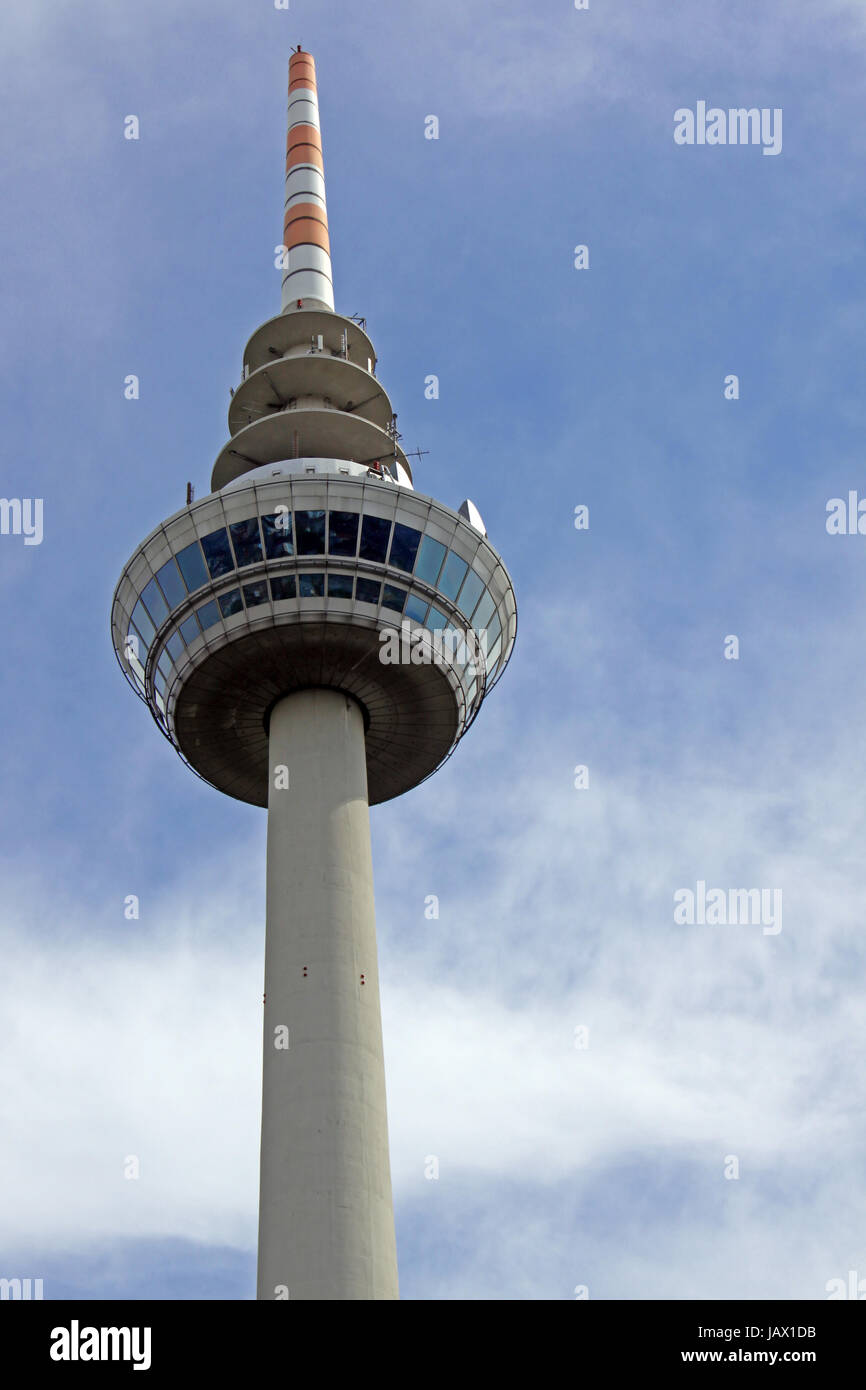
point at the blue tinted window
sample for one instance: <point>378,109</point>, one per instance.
<point>392,597</point>
<point>192,566</point>
<point>342,533</point>
<point>470,593</point>
<point>493,656</point>
<point>208,614</point>
<point>452,575</point>
<point>278,534</point>
<point>483,611</point>
<point>175,646</point>
<point>429,560</point>
<point>171,584</point>
<point>311,586</point>
<point>310,533</point>
<point>494,627</point>
<point>230,603</point>
<point>374,539</point>
<point>255,593</point>
<point>161,683</point>
<point>284,587</point>
<point>190,629</point>
<point>339,586</point>
<point>367,591</point>
<point>435,619</point>
<point>218,553</point>
<point>143,623</point>
<point>164,664</point>
<point>154,602</point>
<point>404,547</point>
<point>416,608</point>
<point>246,541</point>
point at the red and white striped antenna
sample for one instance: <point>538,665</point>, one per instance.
<point>308,276</point>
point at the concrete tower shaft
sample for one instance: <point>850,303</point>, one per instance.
<point>326,1224</point>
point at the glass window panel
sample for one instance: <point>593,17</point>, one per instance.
<point>311,586</point>
<point>404,547</point>
<point>230,603</point>
<point>154,602</point>
<point>468,654</point>
<point>343,532</point>
<point>132,650</point>
<point>416,608</point>
<point>494,627</point>
<point>463,653</point>
<point>161,705</point>
<point>474,664</point>
<point>283,587</point>
<point>471,692</point>
<point>479,652</point>
<point>367,591</point>
<point>192,566</point>
<point>246,541</point>
<point>374,539</point>
<point>429,560</point>
<point>171,584</point>
<point>452,575</point>
<point>255,594</point>
<point>135,647</point>
<point>392,597</point>
<point>161,684</point>
<point>483,612</point>
<point>278,535</point>
<point>164,664</point>
<point>470,593</point>
<point>208,614</point>
<point>190,629</point>
<point>217,552</point>
<point>143,623</point>
<point>493,656</point>
<point>310,533</point>
<point>435,620</point>
<point>175,646</point>
<point>339,586</point>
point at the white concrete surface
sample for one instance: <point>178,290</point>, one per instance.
<point>326,1224</point>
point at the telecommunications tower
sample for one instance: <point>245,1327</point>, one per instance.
<point>315,636</point>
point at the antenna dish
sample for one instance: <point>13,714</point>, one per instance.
<point>470,513</point>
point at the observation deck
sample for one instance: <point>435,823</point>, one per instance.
<point>283,583</point>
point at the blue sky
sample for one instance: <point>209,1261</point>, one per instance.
<point>559,1167</point>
